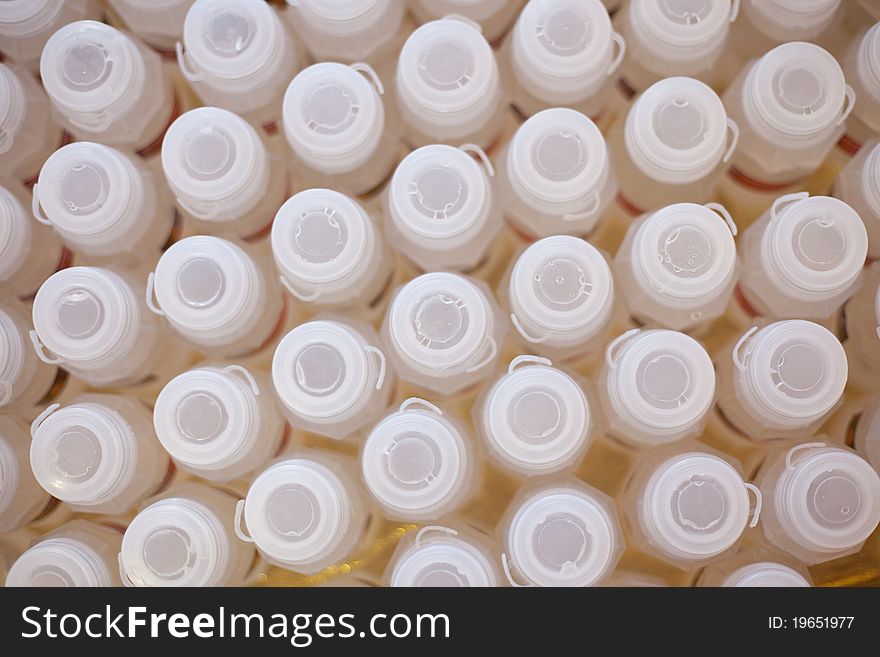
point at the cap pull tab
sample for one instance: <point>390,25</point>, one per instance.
<point>785,199</point>
<point>123,574</point>
<point>620,44</point>
<point>759,503</point>
<point>369,71</point>
<point>720,209</point>
<point>51,408</point>
<point>380,357</point>
<point>418,401</point>
<point>305,297</point>
<point>236,524</point>
<point>739,362</point>
<point>613,351</point>
<point>734,10</point>
<point>480,153</point>
<point>35,206</point>
<point>433,528</point>
<point>733,128</point>
<point>491,348</point>
<point>850,103</point>
<point>242,372</point>
<point>527,336</point>
<point>150,298</point>
<point>188,73</point>
<point>42,352</point>
<point>536,360</point>
<point>789,455</point>
<point>507,564</point>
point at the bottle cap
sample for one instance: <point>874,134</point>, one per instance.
<point>416,462</point>
<point>563,537</point>
<point>439,197</point>
<point>694,506</point>
<point>207,417</point>
<point>12,107</point>
<point>681,30</point>
<point>793,371</point>
<point>440,559</point>
<point>440,321</point>
<point>684,254</point>
<point>660,381</point>
<point>14,351</point>
<point>536,418</point>
<point>333,117</point>
<point>297,511</point>
<point>676,131</point>
<point>558,156</point>
<point>323,370</point>
<point>870,178</point>
<point>324,243</point>
<point>16,232</point>
<point>827,498</point>
<point>212,157</point>
<point>208,286</point>
<point>766,574</point>
<point>346,16</point>
<point>86,315</point>
<point>175,542</point>
<point>59,562</point>
<point>14,463</point>
<point>868,65</point>
<point>560,284</point>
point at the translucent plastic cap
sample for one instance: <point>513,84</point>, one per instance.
<point>563,537</point>
<point>446,68</point>
<point>350,15</point>
<point>439,194</point>
<point>84,314</point>
<point>871,177</point>
<point>558,156</point>
<point>660,380</point>
<point>803,14</point>
<point>766,574</point>
<point>796,89</point>
<point>868,65</point>
<point>231,39</point>
<point>15,233</point>
<point>676,130</point>
<point>563,39</point>
<point>560,284</point>
<point>793,371</point>
<point>86,189</point>
<point>415,461</point>
<point>815,244</point>
<point>323,369</point>
<point>59,562</point>
<point>81,453</point>
<point>175,542</point>
<point>536,417</point>
<point>207,416</point>
<point>827,498</point>
<point>89,67</point>
<point>333,114</point>
<point>440,320</point>
<point>695,506</point>
<point>321,241</point>
<point>10,462</point>
<point>13,354</point>
<point>207,284</point>
<point>210,154</point>
<point>685,253</point>
<point>297,511</point>
<point>440,559</point>
<point>682,29</point>
<point>12,107</point>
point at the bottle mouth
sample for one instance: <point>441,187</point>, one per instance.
<point>679,29</point>
<point>443,563</point>
<point>59,562</point>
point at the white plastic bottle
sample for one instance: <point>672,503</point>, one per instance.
<point>764,24</point>
<point>535,419</point>
<point>861,66</point>
<point>561,534</point>
<point>24,378</point>
<point>78,554</point>
<point>349,30</point>
<point>448,85</point>
<point>677,267</point>
<point>334,120</point>
<point>672,146</point>
<point>493,17</point>
<point>105,205</point>
<point>26,25</point>
<point>223,177</point>
<point>802,259</point>
<point>99,454</point>
<point>185,538</point>
<point>219,422</point>
<point>790,106</point>
<point>158,22</point>
<point>29,251</point>
<point>858,185</point>
<point>22,499</point>
<point>218,295</point>
<point>443,557</point>
<point>304,513</point>
<point>330,252</point>
<point>555,175</point>
<point>656,387</point>
<point>443,332</point>
<point>781,380</point>
<point>820,501</point>
<point>238,55</point>
<point>107,86</point>
<point>332,377</point>
<point>862,324</point>
<point>688,507</point>
<point>758,567</point>
<point>560,295</point>
<point>665,39</point>
<point>418,463</point>
<point>441,210</point>
<point>28,133</point>
<point>562,53</point>
<point>94,322</point>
